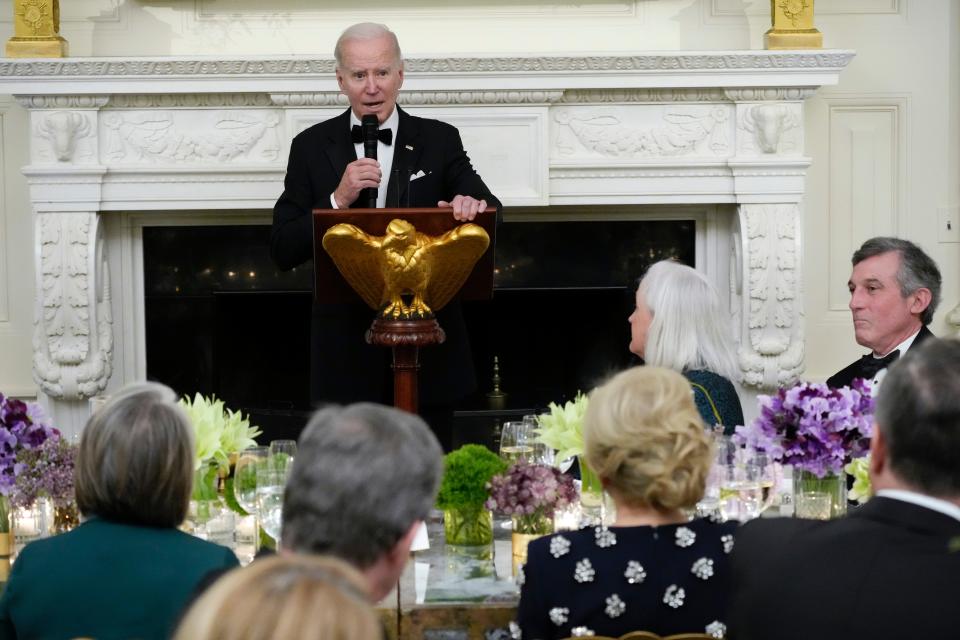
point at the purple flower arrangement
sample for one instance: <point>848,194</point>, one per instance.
<point>530,493</point>
<point>47,472</point>
<point>813,427</point>
<point>23,428</point>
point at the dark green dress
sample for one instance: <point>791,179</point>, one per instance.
<point>106,580</point>
<point>716,399</point>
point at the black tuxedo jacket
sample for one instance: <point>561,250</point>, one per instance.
<point>344,367</point>
<point>845,376</point>
<point>886,570</point>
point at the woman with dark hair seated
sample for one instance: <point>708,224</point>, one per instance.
<point>679,323</point>
<point>287,597</point>
<point>126,571</point>
<point>653,570</point>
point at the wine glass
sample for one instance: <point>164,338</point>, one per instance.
<point>513,442</point>
<point>542,454</point>
<point>270,485</point>
<point>282,453</point>
<point>245,477</point>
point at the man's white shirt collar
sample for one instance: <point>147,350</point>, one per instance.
<point>903,346</point>
<point>922,500</point>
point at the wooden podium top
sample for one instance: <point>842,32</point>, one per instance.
<point>330,286</point>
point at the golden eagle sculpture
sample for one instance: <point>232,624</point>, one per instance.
<point>404,262</point>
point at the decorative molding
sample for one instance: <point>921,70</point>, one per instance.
<point>73,335</point>
<point>627,96</point>
<point>761,128</point>
<point>4,233</point>
<point>78,68</point>
<point>686,131</point>
<point>953,320</point>
<point>423,98</point>
<point>656,171</point>
<point>771,346</point>
<point>62,130</point>
<point>190,100</point>
<point>156,137</point>
<point>62,102</point>
<point>757,94</point>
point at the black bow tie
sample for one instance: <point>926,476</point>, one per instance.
<point>869,366</point>
<point>384,135</point>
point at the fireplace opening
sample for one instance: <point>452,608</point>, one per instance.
<point>221,319</point>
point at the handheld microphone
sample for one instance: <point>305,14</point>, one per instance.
<point>370,126</point>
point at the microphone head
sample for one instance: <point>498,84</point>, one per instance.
<point>370,125</point>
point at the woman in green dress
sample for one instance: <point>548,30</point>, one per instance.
<point>126,571</point>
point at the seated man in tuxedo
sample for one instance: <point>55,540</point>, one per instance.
<point>894,291</point>
<point>420,163</point>
<point>364,479</point>
<point>889,569</point>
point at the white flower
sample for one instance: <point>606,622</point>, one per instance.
<point>559,615</point>
<point>615,606</point>
<point>584,571</point>
<point>685,537</point>
<point>562,428</point>
<point>703,568</point>
<point>218,432</point>
<point>674,596</point>
<point>635,574</point>
<point>559,546</point>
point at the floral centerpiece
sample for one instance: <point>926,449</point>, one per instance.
<point>219,433</point>
<point>463,492</point>
<point>23,427</point>
<point>48,473</point>
<point>817,430</point>
<point>530,494</point>
<point>562,429</point>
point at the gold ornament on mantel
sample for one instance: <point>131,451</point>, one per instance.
<point>36,30</point>
<point>792,26</point>
<point>405,262</point>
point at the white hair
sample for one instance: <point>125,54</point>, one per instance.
<point>689,330</point>
<point>366,31</point>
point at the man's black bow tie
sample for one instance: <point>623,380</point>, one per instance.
<point>384,135</point>
<point>869,366</point>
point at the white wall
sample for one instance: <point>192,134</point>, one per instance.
<point>883,143</point>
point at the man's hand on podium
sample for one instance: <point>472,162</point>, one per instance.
<point>464,207</point>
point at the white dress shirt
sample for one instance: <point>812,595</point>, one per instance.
<point>384,155</point>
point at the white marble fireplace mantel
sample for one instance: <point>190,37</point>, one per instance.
<point>201,134</point>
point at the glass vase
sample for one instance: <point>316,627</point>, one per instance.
<point>819,498</point>
<point>6,536</point>
<point>468,526</point>
<point>591,492</point>
<point>526,529</point>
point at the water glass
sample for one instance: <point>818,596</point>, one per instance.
<point>282,453</point>
<point>270,486</point>
<point>515,445</point>
<point>741,496</point>
<point>245,477</point>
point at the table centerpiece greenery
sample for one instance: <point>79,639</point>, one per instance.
<point>219,433</point>
<point>562,429</point>
<point>463,494</point>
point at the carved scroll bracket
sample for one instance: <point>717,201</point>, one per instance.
<point>73,329</point>
<point>766,292</point>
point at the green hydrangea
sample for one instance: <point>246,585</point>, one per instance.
<point>466,473</point>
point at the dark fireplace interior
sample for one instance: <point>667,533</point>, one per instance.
<point>222,319</point>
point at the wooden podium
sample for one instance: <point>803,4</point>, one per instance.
<point>404,337</point>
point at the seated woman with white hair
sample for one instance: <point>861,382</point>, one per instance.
<point>653,569</point>
<point>679,324</point>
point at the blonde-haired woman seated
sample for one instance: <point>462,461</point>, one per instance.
<point>653,570</point>
<point>288,597</point>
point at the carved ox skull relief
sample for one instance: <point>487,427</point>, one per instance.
<point>63,129</point>
<point>768,122</point>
